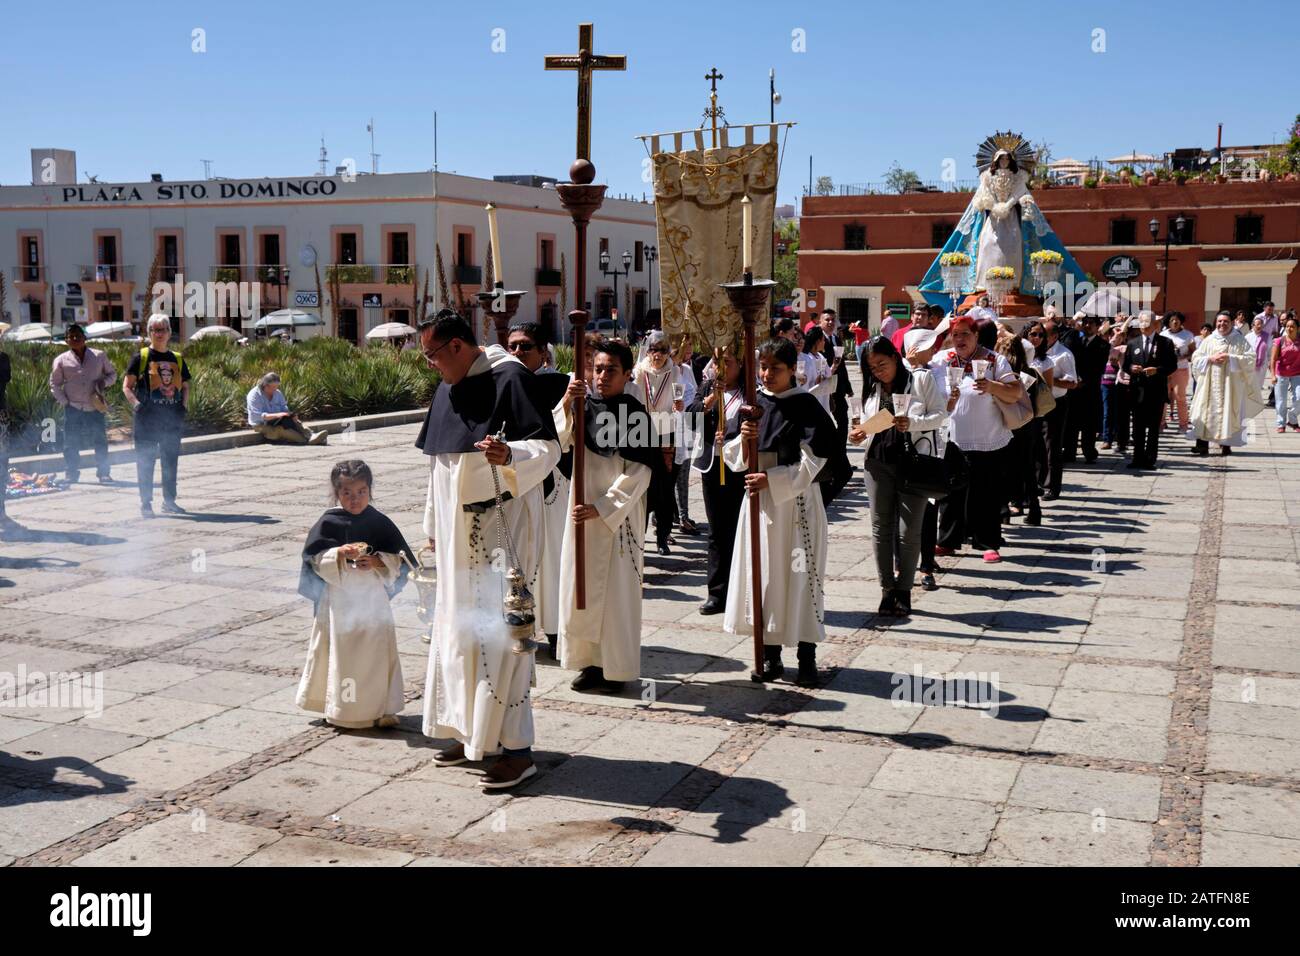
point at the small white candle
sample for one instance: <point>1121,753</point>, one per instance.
<point>746,234</point>
<point>498,267</point>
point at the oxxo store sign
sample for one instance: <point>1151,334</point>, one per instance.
<point>189,192</point>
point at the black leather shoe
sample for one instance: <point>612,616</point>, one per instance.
<point>888,605</point>
<point>663,549</point>
<point>772,666</point>
<point>712,606</point>
<point>1051,496</point>
<point>928,583</point>
<point>588,678</point>
<point>1034,519</point>
<point>904,601</point>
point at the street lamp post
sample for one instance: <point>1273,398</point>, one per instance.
<point>606,270</point>
<point>651,254</point>
<point>1154,226</point>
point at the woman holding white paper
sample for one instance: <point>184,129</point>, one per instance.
<point>919,408</point>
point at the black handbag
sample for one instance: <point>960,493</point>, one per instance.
<point>928,475</point>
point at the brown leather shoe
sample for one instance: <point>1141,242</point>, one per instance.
<point>451,757</point>
<point>508,771</point>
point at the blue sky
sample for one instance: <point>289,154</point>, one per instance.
<point>913,82</point>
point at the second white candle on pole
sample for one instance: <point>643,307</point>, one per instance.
<point>746,234</point>
<point>498,267</point>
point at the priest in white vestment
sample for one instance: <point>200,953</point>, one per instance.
<point>1224,369</point>
<point>477,688</point>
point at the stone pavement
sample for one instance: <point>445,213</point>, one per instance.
<point>1137,658</point>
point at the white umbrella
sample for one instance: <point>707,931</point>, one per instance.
<point>391,330</point>
<point>108,330</point>
<point>216,331</point>
<point>1133,157</point>
<point>1106,302</point>
<point>31,332</point>
<point>1068,163</point>
<point>287,318</point>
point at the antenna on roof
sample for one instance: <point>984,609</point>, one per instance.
<point>324,157</point>
<point>207,168</point>
<point>374,157</point>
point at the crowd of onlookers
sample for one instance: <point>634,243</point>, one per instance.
<point>156,386</point>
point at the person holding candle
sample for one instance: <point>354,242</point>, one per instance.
<point>976,426</point>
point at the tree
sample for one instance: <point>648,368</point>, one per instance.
<point>900,180</point>
<point>824,186</point>
<point>785,266</point>
<point>1042,156</point>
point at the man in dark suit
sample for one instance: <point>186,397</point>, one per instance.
<point>1149,359</point>
<point>1085,401</point>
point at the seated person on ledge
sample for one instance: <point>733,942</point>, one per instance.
<point>269,415</point>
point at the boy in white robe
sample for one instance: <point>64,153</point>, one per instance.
<point>352,565</point>
<point>477,688</point>
<point>796,437</point>
<point>603,641</point>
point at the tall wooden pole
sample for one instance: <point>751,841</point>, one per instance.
<point>581,198</point>
<point>749,298</point>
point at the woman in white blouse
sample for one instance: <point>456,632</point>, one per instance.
<point>821,383</point>
<point>919,409</point>
<point>975,425</point>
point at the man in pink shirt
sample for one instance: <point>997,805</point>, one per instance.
<point>78,380</point>
<point>920,314</point>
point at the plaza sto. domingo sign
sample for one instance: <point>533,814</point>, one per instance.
<point>214,189</point>
<point>1121,268</point>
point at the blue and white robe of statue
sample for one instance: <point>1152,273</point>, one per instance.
<point>1035,235</point>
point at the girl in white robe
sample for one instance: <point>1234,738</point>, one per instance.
<point>352,564</point>
<point>796,437</point>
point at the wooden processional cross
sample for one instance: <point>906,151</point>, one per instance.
<point>581,198</point>
<point>585,62</point>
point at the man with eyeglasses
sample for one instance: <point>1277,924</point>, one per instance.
<point>490,447</point>
<point>527,342</point>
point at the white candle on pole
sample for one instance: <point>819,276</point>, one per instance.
<point>498,267</point>
<point>746,233</point>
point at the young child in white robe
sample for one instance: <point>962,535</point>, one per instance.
<point>796,438</point>
<point>352,566</point>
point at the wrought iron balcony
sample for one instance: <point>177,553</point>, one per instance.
<point>106,272</point>
<point>349,273</point>
<point>29,273</point>
<point>548,277</point>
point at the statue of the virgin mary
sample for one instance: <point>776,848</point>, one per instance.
<point>1002,225</point>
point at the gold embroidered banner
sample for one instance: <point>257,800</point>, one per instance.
<point>697,208</point>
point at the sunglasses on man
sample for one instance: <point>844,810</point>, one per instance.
<point>524,347</point>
